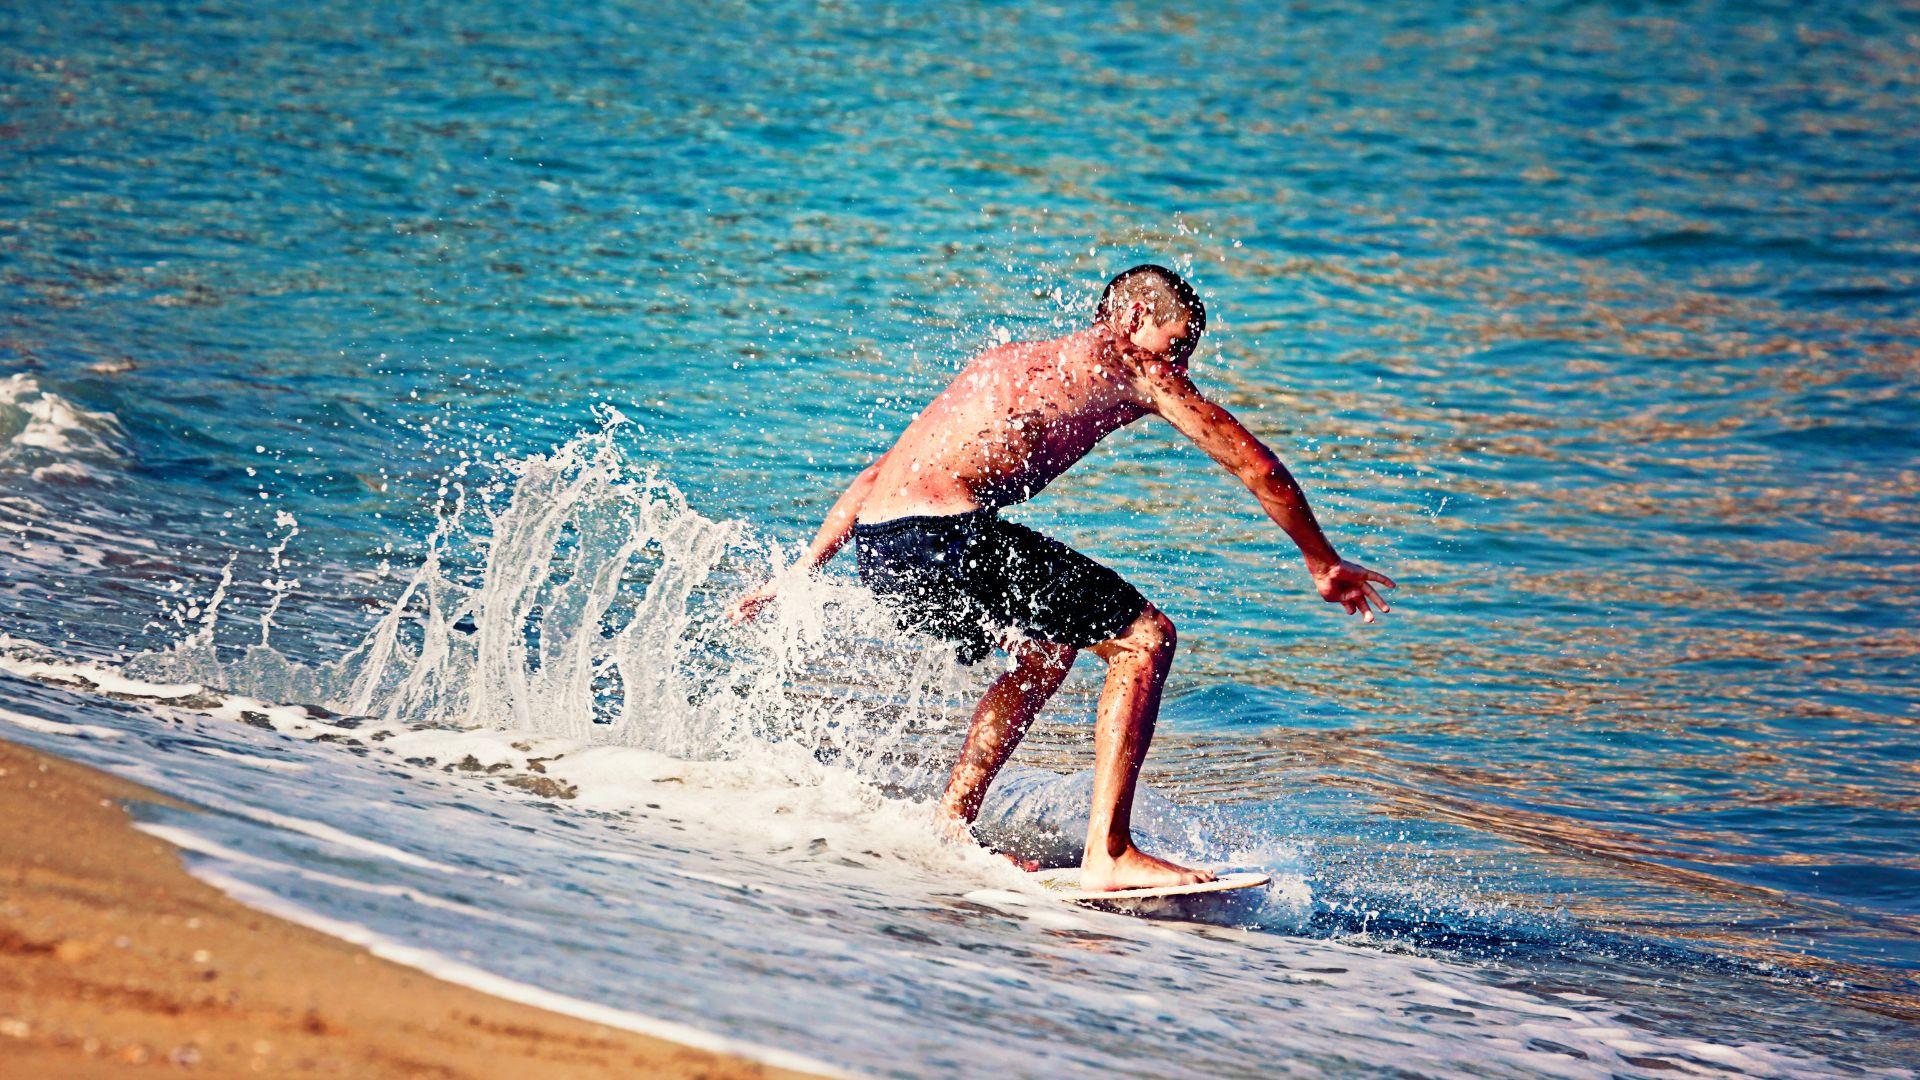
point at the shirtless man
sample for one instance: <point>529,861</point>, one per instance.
<point>925,517</point>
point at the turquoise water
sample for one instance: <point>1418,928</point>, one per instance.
<point>1591,325</point>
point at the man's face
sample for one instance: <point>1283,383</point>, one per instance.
<point>1163,340</point>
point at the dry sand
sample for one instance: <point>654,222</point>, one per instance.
<point>113,960</point>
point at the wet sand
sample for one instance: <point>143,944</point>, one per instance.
<point>113,959</point>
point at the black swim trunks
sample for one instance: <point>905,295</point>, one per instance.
<point>971,577</point>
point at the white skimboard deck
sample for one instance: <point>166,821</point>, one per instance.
<point>1066,885</point>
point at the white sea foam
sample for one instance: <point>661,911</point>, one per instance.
<point>52,439</point>
<point>342,839</point>
<point>254,760</point>
<point>187,840</point>
<point>55,727</point>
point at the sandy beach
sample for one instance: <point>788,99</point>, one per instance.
<point>113,958</point>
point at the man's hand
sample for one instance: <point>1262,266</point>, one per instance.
<point>748,606</point>
<point>1351,586</point>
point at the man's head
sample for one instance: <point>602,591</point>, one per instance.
<point>1153,310</point>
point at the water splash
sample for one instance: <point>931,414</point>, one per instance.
<point>579,596</point>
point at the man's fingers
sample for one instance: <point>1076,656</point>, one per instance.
<point>1375,575</point>
<point>745,608</point>
<point>1374,595</point>
<point>1356,604</point>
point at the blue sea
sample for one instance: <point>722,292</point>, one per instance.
<point>392,397</point>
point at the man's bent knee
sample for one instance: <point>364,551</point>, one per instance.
<point>1043,659</point>
<point>1149,636</point>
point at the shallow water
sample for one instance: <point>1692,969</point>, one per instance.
<point>1590,325</point>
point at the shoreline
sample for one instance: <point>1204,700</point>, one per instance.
<point>113,956</point>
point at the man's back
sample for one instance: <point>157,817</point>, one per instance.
<point>1015,418</point>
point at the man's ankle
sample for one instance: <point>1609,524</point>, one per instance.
<point>954,824</point>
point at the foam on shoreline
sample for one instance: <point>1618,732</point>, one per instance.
<point>473,978</point>
<point>810,882</point>
<point>93,911</point>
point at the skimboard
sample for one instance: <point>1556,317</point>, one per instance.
<point>1065,884</point>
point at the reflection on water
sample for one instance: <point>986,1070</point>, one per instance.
<point>1593,325</point>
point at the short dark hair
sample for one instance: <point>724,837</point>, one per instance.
<point>1165,293</point>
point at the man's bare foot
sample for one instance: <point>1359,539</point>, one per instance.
<point>952,826</point>
<point>1135,869</point>
<point>1028,865</point>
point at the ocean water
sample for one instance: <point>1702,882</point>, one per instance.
<point>391,400</point>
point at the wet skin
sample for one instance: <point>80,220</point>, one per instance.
<point>1013,420</point>
<point>1016,418</point>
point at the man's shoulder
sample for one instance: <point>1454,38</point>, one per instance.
<point>1041,345</point>
<point>1160,386</point>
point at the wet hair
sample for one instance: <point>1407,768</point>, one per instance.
<point>1165,293</point>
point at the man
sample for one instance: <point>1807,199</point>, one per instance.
<point>926,520</point>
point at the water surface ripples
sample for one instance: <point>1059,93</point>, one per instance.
<point>1592,324</point>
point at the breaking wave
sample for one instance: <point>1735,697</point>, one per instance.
<point>581,597</point>
<point>50,439</point>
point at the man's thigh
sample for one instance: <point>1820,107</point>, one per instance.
<point>1043,587</point>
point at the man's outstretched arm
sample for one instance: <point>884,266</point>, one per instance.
<point>826,543</point>
<point>1173,397</point>
<point>839,521</point>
